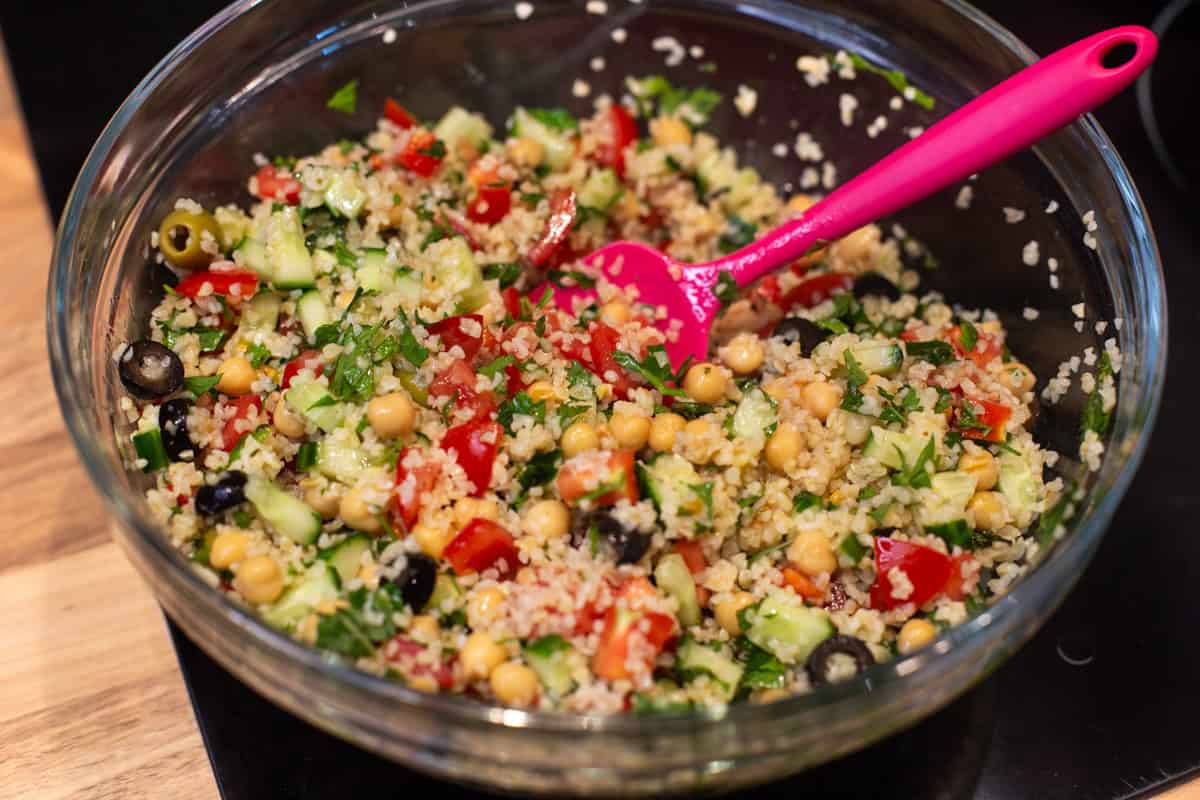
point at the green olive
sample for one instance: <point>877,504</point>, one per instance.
<point>180,235</point>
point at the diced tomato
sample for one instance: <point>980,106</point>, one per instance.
<point>693,554</point>
<point>277,183</point>
<point>622,131</point>
<point>475,445</point>
<point>926,568</point>
<point>238,284</point>
<point>480,545</point>
<point>450,332</point>
<point>562,218</point>
<point>308,359</point>
<point>604,342</point>
<point>987,347</point>
<point>516,381</point>
<point>994,416</point>
<point>801,585</point>
<point>456,378</point>
<point>419,154</point>
<point>611,660</point>
<point>512,301</point>
<point>955,588</point>
<point>412,485</point>
<point>230,435</point>
<point>406,654</point>
<point>909,335</point>
<point>491,204</point>
<point>398,114</point>
<point>768,289</point>
<point>587,471</point>
<point>814,291</point>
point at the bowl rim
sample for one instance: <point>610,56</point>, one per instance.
<point>453,708</point>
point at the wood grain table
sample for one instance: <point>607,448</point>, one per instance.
<point>92,703</point>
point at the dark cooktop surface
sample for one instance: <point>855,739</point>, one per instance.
<point>1101,704</point>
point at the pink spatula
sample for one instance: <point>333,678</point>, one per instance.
<point>1018,112</point>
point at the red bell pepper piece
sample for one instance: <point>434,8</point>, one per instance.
<point>955,587</point>
<point>926,568</point>
<point>475,445</point>
<point>420,155</point>
<point>515,381</point>
<point>398,114</point>
<point>450,332</point>
<point>491,204</point>
<point>230,435</point>
<point>308,359</point>
<point>412,485</point>
<point>277,183</point>
<point>512,301</point>
<point>481,545</point>
<point>624,621</point>
<point>622,130</point>
<point>559,224</point>
<point>814,291</point>
<point>238,284</point>
<point>586,472</point>
<point>604,342</point>
<point>994,416</point>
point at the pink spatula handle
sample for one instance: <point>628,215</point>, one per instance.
<point>1028,106</point>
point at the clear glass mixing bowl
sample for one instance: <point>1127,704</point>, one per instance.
<point>255,79</point>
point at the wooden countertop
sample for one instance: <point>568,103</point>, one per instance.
<point>92,703</point>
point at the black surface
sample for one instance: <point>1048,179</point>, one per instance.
<point>1100,704</point>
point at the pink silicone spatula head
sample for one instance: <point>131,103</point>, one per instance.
<point>1018,112</point>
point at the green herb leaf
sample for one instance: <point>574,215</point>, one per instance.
<point>878,514</point>
<point>897,407</point>
<point>613,484</point>
<point>738,233</point>
<point>201,384</point>
<point>967,420</point>
<point>916,476</point>
<point>945,398</point>
<point>762,669</point>
<point>539,470</point>
<point>1050,520</point>
<point>655,368</point>
<point>547,646</point>
<point>579,279</point>
<point>806,500</point>
<point>413,351</point>
<point>558,119</point>
<point>567,413</point>
<point>435,149</point>
<point>704,492</point>
<point>345,99</point>
<point>506,274</point>
<point>853,548</point>
<point>897,79</point>
<point>259,355</point>
<point>496,367</point>
<point>854,381</point>
<point>935,352</point>
<point>306,458</point>
<point>726,289</point>
<point>1094,417</point>
<point>968,336</point>
<point>520,404</point>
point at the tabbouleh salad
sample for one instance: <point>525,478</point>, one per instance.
<point>363,420</point>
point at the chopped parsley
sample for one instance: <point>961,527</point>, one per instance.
<point>258,355</point>
<point>435,149</point>
<point>412,350</point>
<point>1094,417</point>
<point>655,369</point>
<point>854,381</point>
<point>968,336</point>
<point>539,470</point>
<point>726,289</point>
<point>898,406</point>
<point>345,99</point>
<point>580,279</point>
<point>201,384</point>
<point>614,484</point>
<point>738,233</point>
<point>806,500</point>
<point>896,78</point>
<point>694,106</point>
<point>506,274</point>
<point>968,421</point>
<point>915,476</point>
<point>520,404</point>
<point>935,352</point>
<point>558,119</point>
<point>547,646</point>
<point>945,398</point>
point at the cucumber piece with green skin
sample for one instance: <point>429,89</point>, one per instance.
<point>755,417</point>
<point>376,271</point>
<point>460,125</point>
<point>340,456</point>
<point>262,312</point>
<point>741,190</point>
<point>784,626</point>
<point>718,170</point>
<point>345,197</point>
<point>252,254</point>
<point>287,256</point>
<point>457,272</point>
<point>550,658</point>
<point>881,358</point>
<point>558,149</point>
<point>673,577</point>
<point>600,190</point>
<point>346,556</point>
<point>668,482</point>
<point>696,658</point>
<point>1020,487</point>
<point>313,312</point>
<point>317,585</point>
<point>445,589</point>
<point>408,284</point>
<point>286,513</point>
<point>307,398</point>
<point>947,500</point>
<point>887,446</point>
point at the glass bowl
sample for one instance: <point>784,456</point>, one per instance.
<point>255,79</point>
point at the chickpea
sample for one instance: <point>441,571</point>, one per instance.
<point>431,540</point>
<point>526,152</point>
<point>859,244</point>
<point>667,131</point>
<point>392,415</point>
<point>546,520</point>
<point>579,438</point>
<point>705,383</point>
<point>615,312</point>
<point>799,204</point>
<point>237,375</point>
<point>664,429</point>
<point>479,656</point>
<point>540,390</point>
<point>227,549</point>
<point>1017,377</point>
<point>286,421</point>
<point>982,465</point>
<point>821,398</point>
<point>468,508</point>
<point>514,684</point>
<point>727,610</point>
<point>812,553</point>
<point>425,628</point>
<point>485,607</point>
<point>324,503</point>
<point>630,430</point>
<point>743,354</point>
<point>783,446</point>
<point>700,434</point>
<point>988,508</point>
<point>356,512</point>
<point>259,579</point>
<point>915,634</point>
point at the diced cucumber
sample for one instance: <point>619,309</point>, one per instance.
<point>345,196</point>
<point>455,270</point>
<point>376,271</point>
<point>234,225</point>
<point>673,577</point>
<point>262,312</point>
<point>313,312</point>
<point>886,447</point>
<point>1020,487</point>
<point>695,658</point>
<point>600,190</point>
<point>460,125</point>
<point>783,625</point>
<point>415,390</point>
<point>252,254</point>
<point>346,557</point>
<point>408,284</point>
<point>340,456</point>
<point>755,418</point>
<point>882,358</point>
<point>550,658</point>
<point>148,444</point>
<point>948,499</point>
<point>286,513</point>
<point>307,398</point>
<point>718,170</point>
<point>289,261</point>
<point>559,149</point>
<point>445,590</point>
<point>668,482</point>
<point>316,586</point>
<point>741,190</point>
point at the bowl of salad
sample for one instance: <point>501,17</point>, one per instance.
<point>303,333</point>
